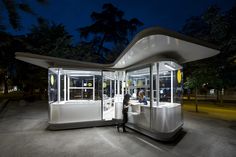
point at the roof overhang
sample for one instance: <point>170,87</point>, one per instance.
<point>149,45</point>
<point>48,62</point>
<point>161,43</point>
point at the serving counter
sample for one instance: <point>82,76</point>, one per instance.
<point>165,118</point>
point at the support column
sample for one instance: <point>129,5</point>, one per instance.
<point>110,88</point>
<point>118,83</point>
<point>93,87</point>
<point>157,84</point>
<point>123,83</point>
<point>102,104</point>
<point>115,84</point>
<point>171,86</point>
<point>58,85</point>
<point>151,95</point>
<point>68,87</point>
<point>64,87</point>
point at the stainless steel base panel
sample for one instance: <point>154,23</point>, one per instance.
<point>77,125</point>
<point>160,136</point>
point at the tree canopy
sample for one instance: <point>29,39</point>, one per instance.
<point>109,26</point>
<point>12,7</point>
<point>48,38</point>
<point>217,27</point>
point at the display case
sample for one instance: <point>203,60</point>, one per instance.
<point>83,95</point>
<point>87,96</point>
<point>161,84</point>
<point>75,95</point>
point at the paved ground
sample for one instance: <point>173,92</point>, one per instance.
<point>23,133</point>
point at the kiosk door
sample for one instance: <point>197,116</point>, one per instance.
<point>108,95</point>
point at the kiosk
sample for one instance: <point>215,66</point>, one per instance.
<point>83,94</point>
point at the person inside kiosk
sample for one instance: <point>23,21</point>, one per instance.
<point>142,98</point>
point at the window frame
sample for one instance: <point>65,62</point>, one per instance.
<point>81,88</point>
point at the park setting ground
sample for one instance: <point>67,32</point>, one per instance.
<point>23,132</point>
<point>225,111</point>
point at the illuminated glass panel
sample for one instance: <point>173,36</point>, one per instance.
<point>139,80</point>
<point>52,85</point>
<point>81,87</point>
<point>78,94</point>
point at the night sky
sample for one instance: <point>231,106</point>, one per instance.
<point>170,14</point>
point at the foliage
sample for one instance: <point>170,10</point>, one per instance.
<point>13,6</point>
<point>217,27</point>
<point>202,75</point>
<point>109,26</point>
<point>49,39</point>
<point>17,73</point>
<point>7,63</point>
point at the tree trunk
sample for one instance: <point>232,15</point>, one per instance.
<point>188,94</point>
<point>221,97</point>
<point>196,104</point>
<point>5,83</point>
<point>217,95</point>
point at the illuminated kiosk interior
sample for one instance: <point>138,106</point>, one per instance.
<point>83,94</point>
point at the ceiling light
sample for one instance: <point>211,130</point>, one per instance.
<point>169,66</point>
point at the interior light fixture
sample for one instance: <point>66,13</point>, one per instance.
<point>169,66</point>
<point>80,75</point>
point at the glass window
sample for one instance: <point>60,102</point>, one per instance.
<point>138,83</point>
<point>98,87</point>
<point>81,81</point>
<point>177,85</point>
<point>108,95</point>
<point>52,85</point>
<point>165,86</point>
<point>84,85</point>
<point>78,94</point>
<point>170,81</point>
<point>81,87</point>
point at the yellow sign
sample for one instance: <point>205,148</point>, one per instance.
<point>129,82</point>
<point>140,83</point>
<point>90,84</point>
<point>179,76</point>
<point>52,80</point>
<point>104,85</point>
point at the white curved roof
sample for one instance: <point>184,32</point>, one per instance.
<point>149,45</point>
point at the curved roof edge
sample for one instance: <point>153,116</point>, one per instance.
<point>161,31</point>
<point>48,61</point>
